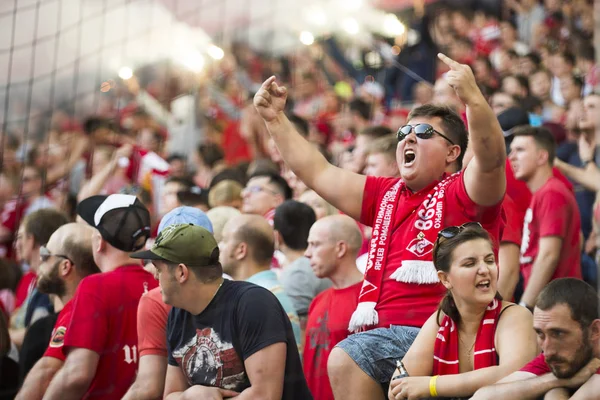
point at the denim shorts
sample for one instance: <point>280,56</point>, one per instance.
<point>377,351</point>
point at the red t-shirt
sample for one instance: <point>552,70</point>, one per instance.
<point>553,212</point>
<point>57,340</point>
<point>327,325</point>
<point>152,324</point>
<point>517,190</point>
<point>104,320</point>
<point>406,303</point>
<point>25,286</point>
<point>538,366</point>
<point>513,230</point>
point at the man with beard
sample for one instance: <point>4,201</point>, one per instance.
<point>66,260</point>
<point>567,322</point>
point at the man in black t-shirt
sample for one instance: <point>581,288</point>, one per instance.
<point>224,338</point>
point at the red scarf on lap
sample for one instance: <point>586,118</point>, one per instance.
<point>445,352</point>
<point>419,227</point>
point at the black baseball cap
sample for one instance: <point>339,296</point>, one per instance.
<point>122,220</point>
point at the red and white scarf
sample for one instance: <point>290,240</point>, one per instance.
<point>417,263</point>
<point>445,352</point>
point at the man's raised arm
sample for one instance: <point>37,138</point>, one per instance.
<point>485,176</point>
<point>342,188</point>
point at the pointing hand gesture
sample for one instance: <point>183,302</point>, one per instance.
<point>461,79</point>
<point>270,99</point>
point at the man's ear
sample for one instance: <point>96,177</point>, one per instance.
<point>65,268</point>
<point>341,248</point>
<point>182,273</point>
<point>453,153</point>
<point>101,244</point>
<point>241,251</point>
<point>595,331</point>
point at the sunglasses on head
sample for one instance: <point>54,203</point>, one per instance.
<point>452,231</point>
<point>45,255</point>
<point>422,131</point>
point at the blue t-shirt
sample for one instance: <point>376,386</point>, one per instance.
<point>569,153</point>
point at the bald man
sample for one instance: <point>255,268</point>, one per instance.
<point>66,260</point>
<point>246,250</point>
<point>333,244</point>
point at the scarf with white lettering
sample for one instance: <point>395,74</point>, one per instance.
<point>420,234</point>
<point>445,351</point>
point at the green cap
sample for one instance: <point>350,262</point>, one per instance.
<point>183,244</point>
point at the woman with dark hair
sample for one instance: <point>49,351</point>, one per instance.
<point>475,338</point>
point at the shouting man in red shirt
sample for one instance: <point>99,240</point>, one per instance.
<point>101,339</point>
<point>400,288</point>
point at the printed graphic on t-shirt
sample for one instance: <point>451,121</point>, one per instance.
<point>207,360</point>
<point>58,337</point>
<point>319,337</point>
<point>526,237</point>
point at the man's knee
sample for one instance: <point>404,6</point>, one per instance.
<point>339,363</point>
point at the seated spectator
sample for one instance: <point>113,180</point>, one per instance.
<point>263,193</point>
<point>333,246</point>
<point>292,223</point>
<point>219,216</point>
<point>473,329</point>
<point>226,193</point>
<point>247,251</point>
<point>381,157</point>
<point>67,259</point>
<point>550,248</point>
<point>177,165</point>
<point>224,337</point>
<point>34,232</point>
<point>152,321</point>
<point>567,324</point>
<point>169,199</point>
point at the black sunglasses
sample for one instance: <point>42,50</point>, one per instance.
<point>422,131</point>
<point>451,231</point>
<point>45,255</point>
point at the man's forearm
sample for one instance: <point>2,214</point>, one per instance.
<point>66,385</point>
<point>139,391</point>
<point>528,389</point>
<point>300,155</point>
<point>485,135</point>
<point>38,379</point>
<point>541,272</point>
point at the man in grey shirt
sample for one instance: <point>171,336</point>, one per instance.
<point>292,223</point>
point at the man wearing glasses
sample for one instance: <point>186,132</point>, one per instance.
<point>263,193</point>
<point>65,261</point>
<point>400,289</point>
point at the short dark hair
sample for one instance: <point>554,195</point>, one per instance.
<point>41,224</point>
<point>586,52</point>
<point>360,107</point>
<point>580,297</point>
<point>81,255</point>
<point>567,56</point>
<point>210,153</point>
<point>205,274</point>
<point>453,125</point>
<point>229,174</point>
<point>534,58</point>
<point>185,182</point>
<point>542,137</point>
<point>443,254</point>
<point>300,124</point>
<point>278,181</point>
<point>293,221</point>
<point>260,244</point>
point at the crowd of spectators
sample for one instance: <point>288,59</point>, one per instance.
<point>168,147</point>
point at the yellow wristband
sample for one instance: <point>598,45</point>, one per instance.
<point>433,386</point>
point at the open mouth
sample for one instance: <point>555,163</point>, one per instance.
<point>483,284</point>
<point>409,157</point>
